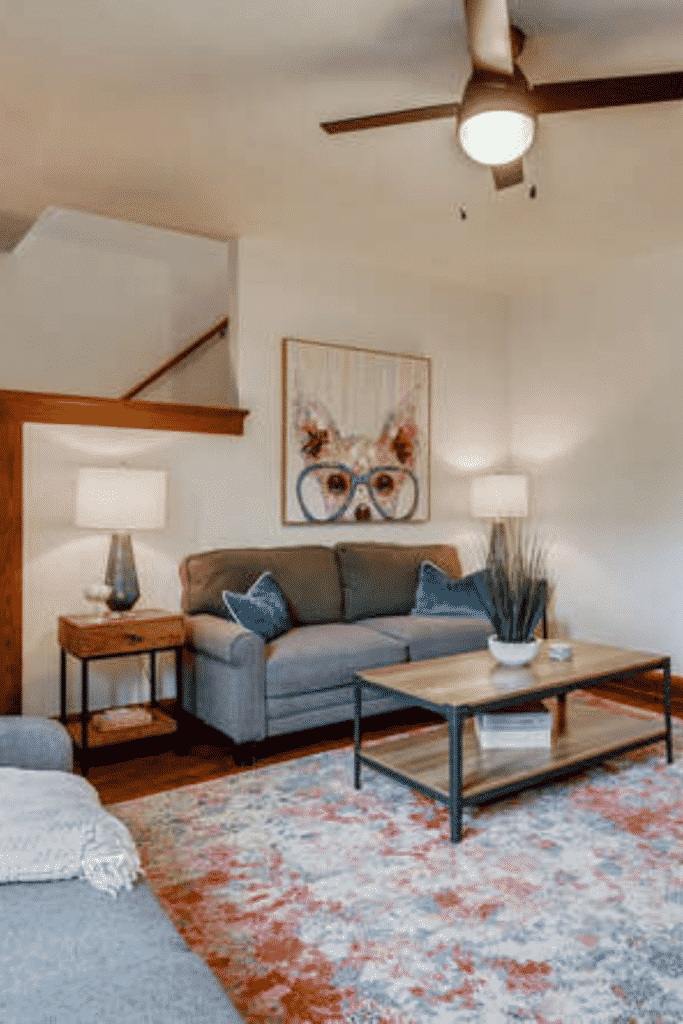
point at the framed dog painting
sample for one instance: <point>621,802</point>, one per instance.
<point>355,435</point>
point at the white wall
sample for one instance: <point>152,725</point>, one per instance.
<point>92,306</point>
<point>225,491</point>
<point>60,559</point>
<point>76,319</point>
<point>285,292</point>
<point>202,290</point>
<point>595,404</point>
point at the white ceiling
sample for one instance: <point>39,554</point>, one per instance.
<point>202,116</point>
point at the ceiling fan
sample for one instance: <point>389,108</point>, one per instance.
<point>497,115</point>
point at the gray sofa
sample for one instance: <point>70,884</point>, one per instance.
<point>71,954</point>
<point>350,606</point>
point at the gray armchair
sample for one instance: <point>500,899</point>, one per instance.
<point>73,953</point>
<point>28,742</point>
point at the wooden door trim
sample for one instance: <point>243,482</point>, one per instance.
<point>19,407</point>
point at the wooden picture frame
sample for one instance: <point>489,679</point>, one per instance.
<point>355,435</point>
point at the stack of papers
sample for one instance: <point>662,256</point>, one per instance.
<point>524,725</point>
<point>122,718</point>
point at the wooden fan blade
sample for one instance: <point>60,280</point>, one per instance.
<point>358,124</point>
<point>591,94</point>
<point>488,33</point>
<point>507,175</point>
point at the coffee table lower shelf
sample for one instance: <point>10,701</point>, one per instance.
<point>421,760</point>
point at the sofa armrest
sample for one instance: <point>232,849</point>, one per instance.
<point>28,742</point>
<point>227,641</point>
<point>224,677</point>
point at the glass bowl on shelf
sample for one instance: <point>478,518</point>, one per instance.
<point>98,594</point>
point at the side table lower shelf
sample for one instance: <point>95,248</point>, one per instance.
<point>162,724</point>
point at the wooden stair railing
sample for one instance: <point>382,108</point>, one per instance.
<point>220,328</point>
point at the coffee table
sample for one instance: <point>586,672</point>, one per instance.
<point>447,764</point>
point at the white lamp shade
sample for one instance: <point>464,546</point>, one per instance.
<point>499,496</point>
<point>121,499</point>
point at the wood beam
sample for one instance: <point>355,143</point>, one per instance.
<point>43,407</point>
<point>11,565</point>
<point>19,407</point>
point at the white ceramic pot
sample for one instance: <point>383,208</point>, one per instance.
<point>513,654</point>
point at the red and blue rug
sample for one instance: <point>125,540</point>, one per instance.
<point>317,904</point>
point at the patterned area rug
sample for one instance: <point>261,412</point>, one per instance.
<point>315,904</point>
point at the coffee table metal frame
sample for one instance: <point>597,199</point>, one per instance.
<point>456,715</point>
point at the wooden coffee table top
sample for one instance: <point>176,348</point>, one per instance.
<point>475,678</point>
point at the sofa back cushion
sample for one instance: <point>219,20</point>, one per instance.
<point>307,575</point>
<point>381,579</point>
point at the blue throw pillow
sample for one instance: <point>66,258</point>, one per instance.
<point>439,594</point>
<point>263,609</point>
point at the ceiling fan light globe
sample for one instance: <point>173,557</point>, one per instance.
<point>496,137</point>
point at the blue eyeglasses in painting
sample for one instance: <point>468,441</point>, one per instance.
<point>327,490</point>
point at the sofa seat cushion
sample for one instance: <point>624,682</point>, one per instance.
<point>71,955</point>
<point>312,658</point>
<point>433,636</point>
<point>293,714</point>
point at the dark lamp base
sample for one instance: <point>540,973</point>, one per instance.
<point>121,575</point>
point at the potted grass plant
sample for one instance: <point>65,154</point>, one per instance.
<point>515,592</point>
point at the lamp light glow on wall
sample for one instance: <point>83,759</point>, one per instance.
<point>121,500</point>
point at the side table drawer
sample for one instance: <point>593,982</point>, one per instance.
<point>120,635</point>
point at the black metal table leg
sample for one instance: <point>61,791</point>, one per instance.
<point>84,717</point>
<point>179,676</point>
<point>62,688</point>
<point>153,678</point>
<point>561,714</point>
<point>667,711</point>
<point>357,697</point>
<point>455,720</point>
<point>181,736</point>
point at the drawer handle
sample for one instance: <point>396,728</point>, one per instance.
<point>133,638</point>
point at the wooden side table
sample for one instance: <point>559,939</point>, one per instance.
<point>90,638</point>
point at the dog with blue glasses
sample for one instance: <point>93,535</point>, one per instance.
<point>355,478</point>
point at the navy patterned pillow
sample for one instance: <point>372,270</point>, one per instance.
<point>263,609</point>
<point>439,594</point>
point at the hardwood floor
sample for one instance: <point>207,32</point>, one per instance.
<point>151,770</point>
<point>210,755</point>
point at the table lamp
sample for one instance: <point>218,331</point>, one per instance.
<point>121,500</point>
<point>499,496</point>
